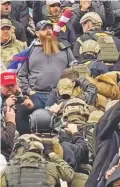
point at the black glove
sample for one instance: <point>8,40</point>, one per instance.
<point>48,148</point>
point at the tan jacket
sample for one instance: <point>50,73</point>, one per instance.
<point>107,85</point>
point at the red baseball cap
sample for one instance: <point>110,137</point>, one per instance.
<point>8,78</point>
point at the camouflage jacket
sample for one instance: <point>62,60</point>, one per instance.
<point>11,48</point>
<point>57,169</point>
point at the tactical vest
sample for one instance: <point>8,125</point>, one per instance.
<point>27,167</point>
<point>108,49</point>
<point>77,91</point>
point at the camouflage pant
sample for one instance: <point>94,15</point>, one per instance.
<point>79,180</point>
<point>61,170</point>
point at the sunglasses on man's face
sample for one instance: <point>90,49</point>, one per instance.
<point>55,5</point>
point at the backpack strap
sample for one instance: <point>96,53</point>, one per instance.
<point>31,50</point>
<point>90,63</point>
<point>67,58</point>
<point>93,35</point>
<point>79,40</point>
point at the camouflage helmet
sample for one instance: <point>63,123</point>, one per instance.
<point>35,142</point>
<point>65,86</point>
<point>76,111</point>
<point>26,143</point>
<point>90,46</point>
<point>93,17</point>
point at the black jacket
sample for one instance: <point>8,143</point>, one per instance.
<point>20,12</point>
<point>76,151</point>
<point>107,144</point>
<point>89,95</point>
<point>96,67</point>
<point>114,176</point>
<point>116,12</point>
<point>7,136</point>
<point>19,31</point>
<point>38,7</point>
<point>103,9</point>
<point>115,67</point>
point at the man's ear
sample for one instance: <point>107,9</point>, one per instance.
<point>37,33</point>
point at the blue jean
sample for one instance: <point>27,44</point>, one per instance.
<point>39,99</point>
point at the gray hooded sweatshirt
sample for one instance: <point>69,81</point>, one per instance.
<point>44,71</point>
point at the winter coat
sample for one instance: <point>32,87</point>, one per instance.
<point>11,48</point>
<point>7,136</point>
<point>116,12</point>
<point>76,151</point>
<point>107,137</point>
<point>44,71</point>
<point>20,12</point>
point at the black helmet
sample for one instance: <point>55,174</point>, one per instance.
<point>42,121</point>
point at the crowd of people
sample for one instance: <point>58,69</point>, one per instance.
<point>60,92</point>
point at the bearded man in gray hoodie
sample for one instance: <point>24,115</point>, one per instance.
<point>47,60</point>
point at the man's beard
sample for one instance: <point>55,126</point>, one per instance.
<point>50,44</point>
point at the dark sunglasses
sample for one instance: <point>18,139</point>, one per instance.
<point>55,5</point>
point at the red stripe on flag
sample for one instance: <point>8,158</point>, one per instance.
<point>20,58</point>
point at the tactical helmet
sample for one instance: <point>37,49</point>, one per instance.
<point>65,86</point>
<point>90,46</point>
<point>31,141</point>
<point>42,121</point>
<point>75,111</point>
<point>93,17</point>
